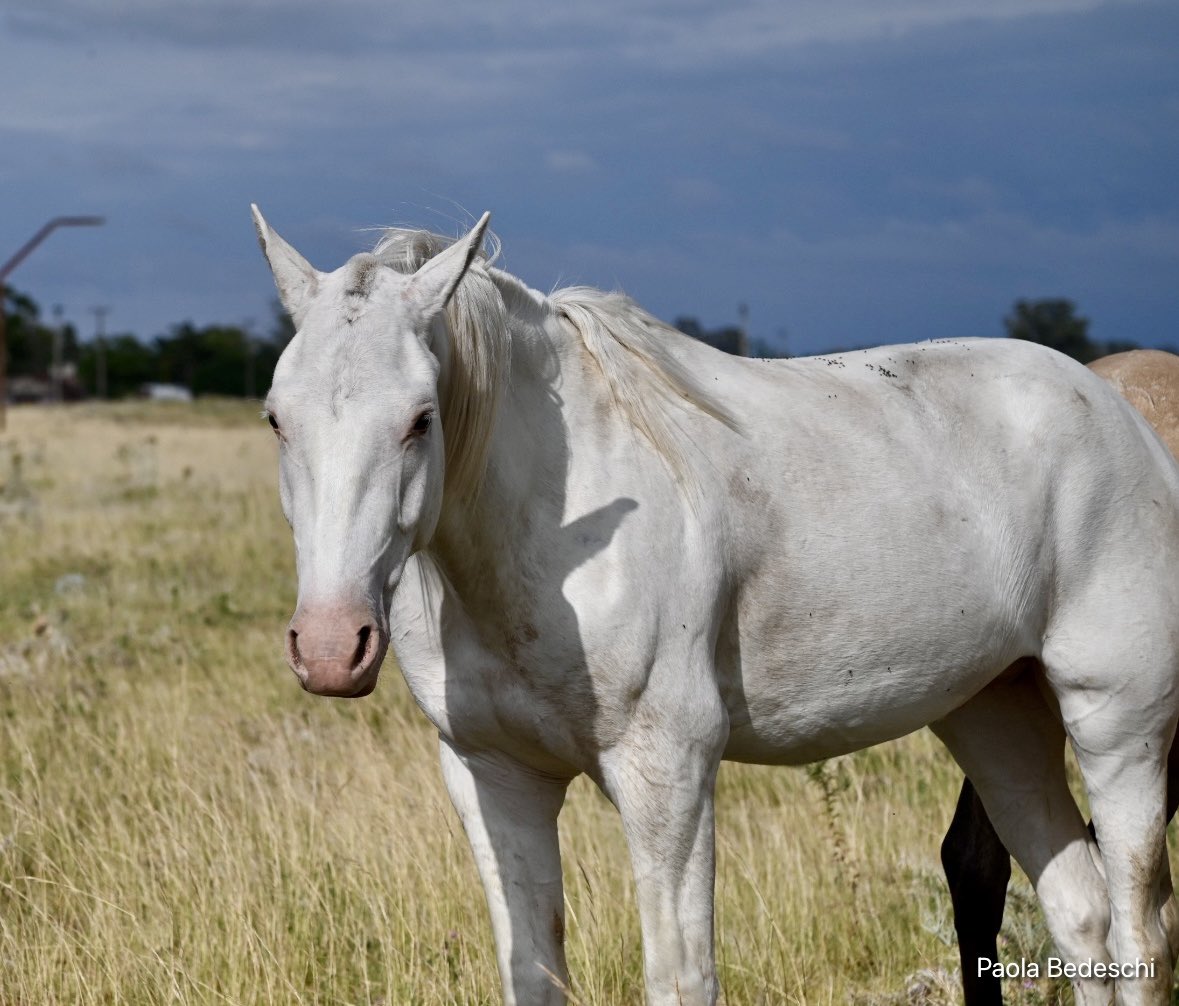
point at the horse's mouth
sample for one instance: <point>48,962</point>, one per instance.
<point>334,671</point>
<point>364,687</point>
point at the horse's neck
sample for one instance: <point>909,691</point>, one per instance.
<point>484,545</point>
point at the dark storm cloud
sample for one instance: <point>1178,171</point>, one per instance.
<point>855,172</point>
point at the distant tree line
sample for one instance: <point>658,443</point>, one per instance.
<point>1056,324</point>
<point>230,360</point>
<point>1052,322</point>
<point>208,360</point>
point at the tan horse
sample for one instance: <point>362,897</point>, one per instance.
<point>976,863</point>
<point>1149,380</point>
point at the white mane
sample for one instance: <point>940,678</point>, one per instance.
<point>480,351</point>
<point>630,347</point>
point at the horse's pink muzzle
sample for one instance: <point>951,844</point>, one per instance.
<point>336,650</point>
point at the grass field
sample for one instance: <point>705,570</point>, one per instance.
<point>180,823</point>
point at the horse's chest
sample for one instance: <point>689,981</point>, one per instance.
<point>513,698</point>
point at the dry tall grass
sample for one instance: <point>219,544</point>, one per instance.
<point>180,823</point>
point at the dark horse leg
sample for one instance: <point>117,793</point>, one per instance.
<point>977,869</point>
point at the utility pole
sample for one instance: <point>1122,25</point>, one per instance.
<point>100,312</point>
<point>6,269</point>
<point>55,365</point>
<point>743,329</point>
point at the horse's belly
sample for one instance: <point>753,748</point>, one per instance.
<point>841,715</point>
<point>805,684</point>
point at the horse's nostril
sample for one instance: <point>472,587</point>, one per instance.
<point>335,652</point>
<point>295,658</point>
<point>361,645</point>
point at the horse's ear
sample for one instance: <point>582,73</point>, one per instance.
<point>434,283</point>
<point>294,276</point>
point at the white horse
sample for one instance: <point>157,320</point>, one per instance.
<point>598,546</point>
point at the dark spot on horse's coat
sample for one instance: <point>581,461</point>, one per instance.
<point>746,491</point>
<point>1084,400</point>
<point>558,928</point>
<point>524,634</point>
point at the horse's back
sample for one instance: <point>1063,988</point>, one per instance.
<point>910,520</point>
<point>1005,414</point>
<point>878,436</point>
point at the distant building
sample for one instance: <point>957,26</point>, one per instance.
<point>165,392</point>
<point>24,390</point>
<point>730,339</point>
<point>34,388</point>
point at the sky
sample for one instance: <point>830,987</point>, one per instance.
<point>855,171</point>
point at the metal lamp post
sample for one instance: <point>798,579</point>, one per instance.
<point>21,254</point>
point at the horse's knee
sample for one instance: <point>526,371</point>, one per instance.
<point>1090,921</point>
<point>1073,894</point>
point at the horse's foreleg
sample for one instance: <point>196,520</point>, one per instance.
<point>510,817</point>
<point>977,870</point>
<point>662,784</point>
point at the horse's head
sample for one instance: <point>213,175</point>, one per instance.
<point>354,405</point>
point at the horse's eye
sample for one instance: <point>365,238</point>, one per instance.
<point>273,422</point>
<point>422,423</point>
